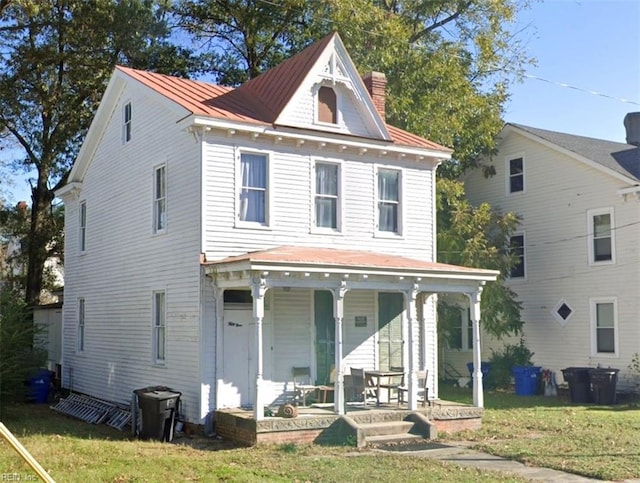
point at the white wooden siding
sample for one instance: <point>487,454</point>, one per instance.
<point>124,261</point>
<point>560,191</point>
<point>291,195</point>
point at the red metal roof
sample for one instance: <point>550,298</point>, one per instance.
<point>258,101</point>
<point>332,258</point>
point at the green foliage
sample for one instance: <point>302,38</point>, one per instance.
<point>288,448</point>
<point>478,236</point>
<point>57,58</point>
<point>19,357</point>
<point>504,360</point>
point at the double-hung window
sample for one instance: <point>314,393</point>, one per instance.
<point>82,242</point>
<point>515,182</point>
<point>516,247</point>
<point>160,199</point>
<point>389,201</point>
<point>461,335</point>
<point>601,236</point>
<point>126,122</point>
<point>327,197</point>
<point>159,326</point>
<point>254,193</point>
<point>80,337</point>
<point>604,324</point>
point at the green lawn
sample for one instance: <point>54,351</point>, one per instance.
<point>595,441</point>
<point>75,451</point>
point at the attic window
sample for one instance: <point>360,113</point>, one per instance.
<point>327,105</point>
<point>126,123</point>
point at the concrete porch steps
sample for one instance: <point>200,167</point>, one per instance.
<point>389,431</point>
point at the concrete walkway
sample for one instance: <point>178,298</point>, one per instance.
<point>459,453</point>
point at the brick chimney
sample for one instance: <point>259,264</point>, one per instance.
<point>376,84</point>
<point>22,206</point>
<point>632,125</point>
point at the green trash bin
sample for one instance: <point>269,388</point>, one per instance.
<point>158,407</point>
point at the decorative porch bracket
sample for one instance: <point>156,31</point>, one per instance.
<point>338,314</point>
<point>258,291</point>
<point>478,391</point>
<point>410,297</point>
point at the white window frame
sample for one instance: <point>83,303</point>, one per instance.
<point>557,316</point>
<point>268,214</point>
<point>466,341</point>
<point>339,215</point>
<point>82,226</point>
<point>159,327</point>
<point>316,110</point>
<point>127,126</point>
<point>524,254</point>
<point>508,175</point>
<point>81,328</point>
<point>400,227</point>
<point>593,303</point>
<point>591,214</point>
<point>159,199</point>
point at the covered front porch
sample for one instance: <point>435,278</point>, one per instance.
<point>330,310</point>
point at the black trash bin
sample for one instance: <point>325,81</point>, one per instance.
<point>578,380</point>
<point>603,385</point>
<point>158,407</point>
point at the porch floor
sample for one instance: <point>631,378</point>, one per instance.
<point>318,423</point>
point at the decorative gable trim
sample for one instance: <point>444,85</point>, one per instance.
<point>334,67</point>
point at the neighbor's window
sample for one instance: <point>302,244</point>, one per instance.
<point>601,236</point>
<point>159,326</point>
<point>461,335</point>
<point>126,125</point>
<point>80,324</point>
<point>254,188</point>
<point>83,226</point>
<point>389,201</point>
<point>516,175</point>
<point>327,202</point>
<point>327,105</point>
<point>603,313</point>
<point>160,199</point>
<point>516,247</point>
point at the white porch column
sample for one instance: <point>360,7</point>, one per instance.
<point>411,316</point>
<point>478,392</point>
<point>258,291</point>
<point>338,314</point>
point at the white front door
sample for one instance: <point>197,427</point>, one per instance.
<point>238,357</point>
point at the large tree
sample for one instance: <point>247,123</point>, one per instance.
<point>57,56</point>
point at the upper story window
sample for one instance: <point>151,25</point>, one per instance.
<point>389,201</point>
<point>516,248</point>
<point>80,335</point>
<point>327,105</point>
<point>126,122</point>
<point>82,242</point>
<point>604,325</point>
<point>515,180</point>
<point>254,192</point>
<point>159,326</point>
<point>160,199</point>
<point>327,197</point>
<point>601,236</point>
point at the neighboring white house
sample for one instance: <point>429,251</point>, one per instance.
<point>217,237</point>
<point>578,199</point>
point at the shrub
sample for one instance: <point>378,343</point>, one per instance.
<point>503,361</point>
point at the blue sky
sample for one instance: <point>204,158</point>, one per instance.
<point>591,45</point>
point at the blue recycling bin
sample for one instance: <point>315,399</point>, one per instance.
<point>526,379</point>
<point>39,386</point>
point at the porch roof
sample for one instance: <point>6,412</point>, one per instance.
<point>334,261</point>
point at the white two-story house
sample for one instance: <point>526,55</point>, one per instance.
<point>578,242</point>
<point>218,237</point>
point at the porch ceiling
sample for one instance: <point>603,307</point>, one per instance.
<point>327,267</point>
